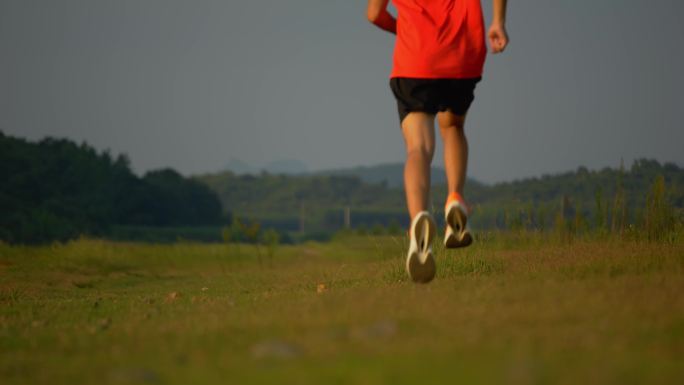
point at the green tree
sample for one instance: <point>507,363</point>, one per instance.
<point>271,239</point>
<point>659,221</point>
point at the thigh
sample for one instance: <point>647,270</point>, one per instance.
<point>448,119</point>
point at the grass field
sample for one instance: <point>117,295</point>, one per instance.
<point>520,310</point>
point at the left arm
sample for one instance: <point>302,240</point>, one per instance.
<point>498,37</point>
<point>378,15</point>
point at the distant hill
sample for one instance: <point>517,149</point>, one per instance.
<point>390,173</point>
<point>239,167</point>
<point>285,166</point>
<point>278,166</point>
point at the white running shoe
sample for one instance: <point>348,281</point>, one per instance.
<point>456,218</point>
<point>420,263</point>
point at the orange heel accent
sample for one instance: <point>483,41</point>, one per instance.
<point>456,197</point>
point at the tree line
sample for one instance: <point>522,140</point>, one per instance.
<point>317,203</point>
<point>56,189</point>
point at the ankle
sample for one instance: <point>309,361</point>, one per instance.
<point>457,197</point>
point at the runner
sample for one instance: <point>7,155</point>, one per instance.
<point>439,55</point>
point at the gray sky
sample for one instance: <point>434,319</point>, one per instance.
<point>190,84</point>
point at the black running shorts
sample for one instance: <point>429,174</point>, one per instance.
<point>433,95</point>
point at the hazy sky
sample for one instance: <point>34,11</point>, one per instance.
<point>190,84</point>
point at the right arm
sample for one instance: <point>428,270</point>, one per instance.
<point>378,15</point>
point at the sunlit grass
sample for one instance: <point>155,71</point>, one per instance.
<point>512,308</point>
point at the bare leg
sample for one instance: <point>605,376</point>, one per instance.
<point>455,149</point>
<point>419,135</point>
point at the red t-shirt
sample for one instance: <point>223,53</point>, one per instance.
<point>439,39</point>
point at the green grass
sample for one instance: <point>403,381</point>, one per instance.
<point>510,309</point>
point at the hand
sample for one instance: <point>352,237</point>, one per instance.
<point>498,38</point>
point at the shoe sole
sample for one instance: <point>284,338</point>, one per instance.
<point>420,264</point>
<point>460,236</point>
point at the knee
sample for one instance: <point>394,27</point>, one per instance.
<point>422,150</point>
